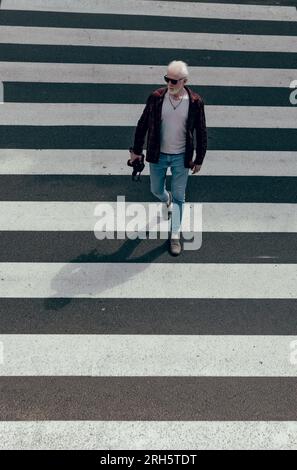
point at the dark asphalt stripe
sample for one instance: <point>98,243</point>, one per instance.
<point>143,56</point>
<point>146,23</point>
<point>121,137</point>
<point>83,247</point>
<point>148,316</point>
<point>28,92</point>
<point>148,398</point>
<point>107,188</point>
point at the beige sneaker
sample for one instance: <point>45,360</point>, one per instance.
<point>175,246</point>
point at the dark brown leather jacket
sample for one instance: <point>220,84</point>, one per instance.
<point>150,123</point>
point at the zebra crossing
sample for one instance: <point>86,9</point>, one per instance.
<point>113,344</point>
<point>219,355</point>
<point>110,114</point>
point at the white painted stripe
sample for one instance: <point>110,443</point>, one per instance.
<point>114,162</point>
<point>79,216</point>
<point>160,8</point>
<point>148,280</point>
<point>102,114</point>
<point>141,435</point>
<point>146,39</point>
<point>143,74</point>
<point>148,355</point>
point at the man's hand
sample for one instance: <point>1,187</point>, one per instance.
<point>134,156</point>
<point>194,167</point>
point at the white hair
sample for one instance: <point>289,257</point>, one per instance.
<point>179,67</point>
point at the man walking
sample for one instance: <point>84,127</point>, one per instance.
<point>170,117</point>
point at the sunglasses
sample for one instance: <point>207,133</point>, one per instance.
<point>172,80</point>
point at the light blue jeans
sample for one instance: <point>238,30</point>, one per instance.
<point>179,180</point>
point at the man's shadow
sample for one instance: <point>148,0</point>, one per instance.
<point>100,274</point>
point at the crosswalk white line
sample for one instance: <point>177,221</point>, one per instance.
<point>114,162</point>
<point>134,435</point>
<point>160,8</point>
<point>79,216</point>
<point>102,114</point>
<point>144,74</point>
<point>146,39</point>
<point>149,355</point>
<point>144,280</point>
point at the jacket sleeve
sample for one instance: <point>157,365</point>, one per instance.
<point>142,127</point>
<point>201,134</point>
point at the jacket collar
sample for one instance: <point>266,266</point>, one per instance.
<point>192,95</point>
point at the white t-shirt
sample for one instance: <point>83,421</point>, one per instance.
<point>173,124</point>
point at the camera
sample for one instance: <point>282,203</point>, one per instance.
<point>137,165</point>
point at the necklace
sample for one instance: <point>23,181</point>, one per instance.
<point>174,107</point>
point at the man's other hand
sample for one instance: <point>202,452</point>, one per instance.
<point>194,167</point>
